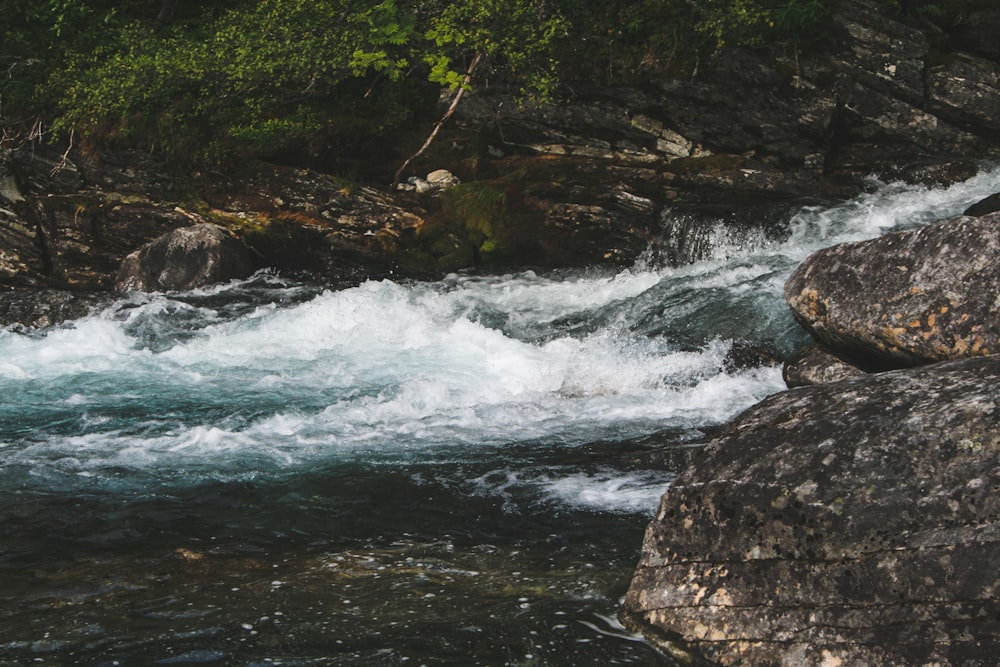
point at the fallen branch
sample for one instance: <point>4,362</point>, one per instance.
<point>444,119</point>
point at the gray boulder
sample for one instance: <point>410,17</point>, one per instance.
<point>906,298</point>
<point>817,365</point>
<point>854,523</point>
<point>184,259</point>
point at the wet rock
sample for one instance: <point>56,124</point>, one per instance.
<point>906,298</point>
<point>184,259</point>
<point>816,365</point>
<point>985,206</point>
<point>845,523</point>
<point>743,355</point>
<point>29,310</point>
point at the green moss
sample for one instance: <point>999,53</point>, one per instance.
<point>478,209</point>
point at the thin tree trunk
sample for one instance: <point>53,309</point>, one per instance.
<point>444,119</point>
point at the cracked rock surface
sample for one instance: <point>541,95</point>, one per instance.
<point>849,523</point>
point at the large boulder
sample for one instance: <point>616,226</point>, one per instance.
<point>853,523</point>
<point>184,259</point>
<point>905,298</point>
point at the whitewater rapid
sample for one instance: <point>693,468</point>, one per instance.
<point>266,377</point>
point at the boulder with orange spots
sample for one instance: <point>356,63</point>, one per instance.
<point>906,298</point>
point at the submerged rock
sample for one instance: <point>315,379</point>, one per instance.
<point>846,523</point>
<point>184,259</point>
<point>906,298</point>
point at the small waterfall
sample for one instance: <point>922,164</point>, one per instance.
<point>688,237</point>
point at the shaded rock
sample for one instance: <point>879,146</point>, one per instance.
<point>884,55</point>
<point>22,257</point>
<point>900,128</point>
<point>905,298</point>
<point>28,310</point>
<point>845,523</point>
<point>966,91</point>
<point>977,32</point>
<point>57,232</point>
<point>85,236</point>
<point>184,259</point>
<point>301,220</point>
<point>816,365</point>
<point>34,170</point>
<point>985,206</point>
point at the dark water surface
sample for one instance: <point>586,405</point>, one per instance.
<point>388,474</point>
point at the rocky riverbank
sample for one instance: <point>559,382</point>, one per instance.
<point>598,179</point>
<point>848,522</point>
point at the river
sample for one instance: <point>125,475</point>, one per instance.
<point>272,472</point>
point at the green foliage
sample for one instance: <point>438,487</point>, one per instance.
<point>256,76</point>
<point>755,22</point>
<point>228,78</point>
<point>515,36</point>
<point>252,77</point>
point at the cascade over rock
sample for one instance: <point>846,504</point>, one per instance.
<point>905,298</point>
<point>846,523</point>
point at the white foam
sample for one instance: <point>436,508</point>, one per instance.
<point>888,207</point>
<point>397,369</point>
<point>603,490</point>
<point>608,491</point>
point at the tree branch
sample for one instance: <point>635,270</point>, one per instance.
<point>444,119</point>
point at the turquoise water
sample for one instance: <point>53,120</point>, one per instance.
<point>458,472</point>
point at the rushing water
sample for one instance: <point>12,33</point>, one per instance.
<point>393,473</point>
